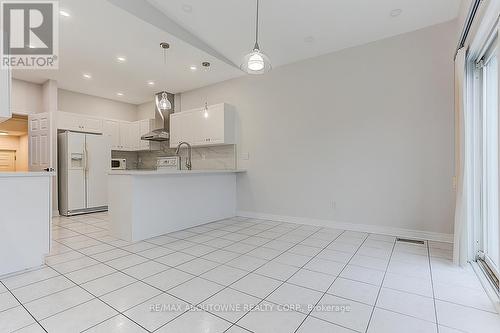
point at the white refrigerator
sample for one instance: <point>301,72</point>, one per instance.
<point>84,162</point>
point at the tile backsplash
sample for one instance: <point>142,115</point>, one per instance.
<point>211,158</point>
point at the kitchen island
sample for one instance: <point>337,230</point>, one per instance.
<point>149,203</point>
<point>25,199</point>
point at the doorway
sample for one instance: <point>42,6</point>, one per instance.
<point>14,144</point>
<point>7,160</point>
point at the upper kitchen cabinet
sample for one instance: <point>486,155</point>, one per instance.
<point>5,94</point>
<point>126,135</point>
<point>111,128</point>
<point>74,122</point>
<point>200,127</point>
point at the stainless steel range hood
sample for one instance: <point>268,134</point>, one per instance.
<point>161,134</point>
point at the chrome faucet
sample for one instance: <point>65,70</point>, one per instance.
<point>188,159</point>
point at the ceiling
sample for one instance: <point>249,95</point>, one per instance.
<point>293,30</point>
<point>218,31</point>
<point>16,126</point>
<point>97,32</point>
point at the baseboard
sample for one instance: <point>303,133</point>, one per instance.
<point>55,213</point>
<point>375,229</point>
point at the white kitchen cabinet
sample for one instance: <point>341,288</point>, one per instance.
<point>74,122</point>
<point>204,128</point>
<point>125,134</point>
<point>111,128</point>
<point>182,127</point>
<point>5,94</point>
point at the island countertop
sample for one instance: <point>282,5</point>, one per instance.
<point>169,172</point>
<point>27,174</point>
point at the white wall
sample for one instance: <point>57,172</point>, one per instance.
<point>370,128</point>
<point>69,101</point>
<point>146,111</point>
<point>26,97</point>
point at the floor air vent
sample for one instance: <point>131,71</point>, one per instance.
<point>413,241</point>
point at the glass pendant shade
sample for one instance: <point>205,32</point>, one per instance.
<point>256,62</point>
<point>163,104</point>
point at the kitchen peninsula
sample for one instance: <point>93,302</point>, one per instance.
<point>149,203</point>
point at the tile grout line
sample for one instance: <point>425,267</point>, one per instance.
<point>242,277</point>
<point>219,264</point>
<point>302,267</point>
<point>331,284</point>
<point>432,286</point>
<point>36,321</point>
<point>381,285</point>
<point>98,297</point>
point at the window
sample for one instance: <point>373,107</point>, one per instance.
<point>487,77</point>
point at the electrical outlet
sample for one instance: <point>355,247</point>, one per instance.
<point>245,156</point>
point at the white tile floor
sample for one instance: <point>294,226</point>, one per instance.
<point>243,275</point>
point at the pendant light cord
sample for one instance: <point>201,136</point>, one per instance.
<point>257,27</point>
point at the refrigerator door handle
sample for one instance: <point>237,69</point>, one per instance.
<point>86,153</point>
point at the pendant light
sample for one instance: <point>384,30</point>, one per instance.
<point>162,103</point>
<point>256,62</point>
<point>161,99</point>
<point>205,113</point>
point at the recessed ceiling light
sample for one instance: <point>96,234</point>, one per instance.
<point>309,39</point>
<point>193,67</point>
<point>121,59</point>
<point>64,13</point>
<point>396,12</point>
<point>187,8</point>
<point>87,76</point>
<point>119,94</point>
<point>151,83</point>
<point>205,66</point>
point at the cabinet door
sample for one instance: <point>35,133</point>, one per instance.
<point>144,128</point>
<point>92,125</point>
<point>134,136</point>
<point>176,129</point>
<point>124,128</point>
<point>112,130</point>
<point>213,125</point>
<point>5,94</point>
<point>68,121</point>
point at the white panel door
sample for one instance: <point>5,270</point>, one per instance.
<point>98,155</point>
<point>40,142</point>
<point>7,160</point>
<point>76,170</point>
